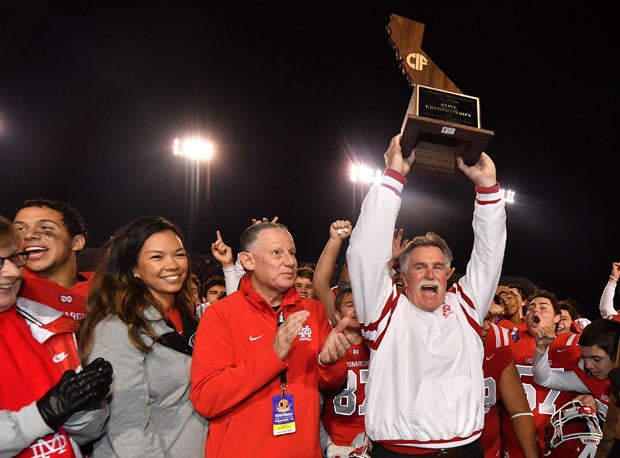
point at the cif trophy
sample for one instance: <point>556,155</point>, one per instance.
<point>441,122</point>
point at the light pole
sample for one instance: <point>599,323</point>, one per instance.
<point>195,150</point>
<point>365,175</point>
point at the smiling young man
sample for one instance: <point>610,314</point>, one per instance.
<point>52,298</point>
<point>304,282</point>
<point>53,233</point>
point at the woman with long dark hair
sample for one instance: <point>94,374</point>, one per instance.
<point>141,317</point>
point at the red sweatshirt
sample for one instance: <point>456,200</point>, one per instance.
<point>236,373</point>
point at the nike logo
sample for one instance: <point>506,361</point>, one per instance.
<point>58,357</point>
<point>489,357</point>
<point>252,338</point>
<point>562,349</point>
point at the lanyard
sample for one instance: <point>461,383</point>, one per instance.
<point>283,382</point>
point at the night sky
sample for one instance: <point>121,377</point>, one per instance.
<point>92,95</point>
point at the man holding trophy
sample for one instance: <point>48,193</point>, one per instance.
<point>425,388</point>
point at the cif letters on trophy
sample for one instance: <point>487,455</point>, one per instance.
<point>441,122</point>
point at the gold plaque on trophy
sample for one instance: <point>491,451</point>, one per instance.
<point>441,122</point>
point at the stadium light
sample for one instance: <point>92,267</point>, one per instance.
<point>508,195</point>
<point>196,151</point>
<point>362,176</point>
<point>360,173</point>
<point>193,148</point>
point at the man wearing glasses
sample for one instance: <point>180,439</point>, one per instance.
<point>43,411</point>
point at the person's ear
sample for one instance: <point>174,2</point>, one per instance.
<point>247,260</point>
<point>78,242</point>
<point>450,272</point>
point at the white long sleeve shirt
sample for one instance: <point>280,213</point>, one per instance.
<point>425,386</point>
<point>606,304</point>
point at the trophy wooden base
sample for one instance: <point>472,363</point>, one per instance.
<point>438,143</point>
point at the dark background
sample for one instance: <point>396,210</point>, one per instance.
<point>93,93</point>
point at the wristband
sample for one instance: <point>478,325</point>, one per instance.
<point>611,277</point>
<point>522,414</point>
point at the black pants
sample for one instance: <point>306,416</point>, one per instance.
<point>473,450</point>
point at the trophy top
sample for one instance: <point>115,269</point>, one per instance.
<point>405,36</point>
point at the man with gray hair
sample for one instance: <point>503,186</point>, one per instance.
<point>425,390</point>
<point>261,354</point>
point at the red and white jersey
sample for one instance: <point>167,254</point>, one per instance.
<point>575,377</point>
<point>563,352</point>
<point>600,389</point>
<point>497,356</point>
<point>343,412</point>
<point>578,377</point>
<point>70,301</point>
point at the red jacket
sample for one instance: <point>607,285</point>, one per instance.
<point>235,374</point>
<point>27,373</point>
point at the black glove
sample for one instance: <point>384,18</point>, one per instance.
<point>75,392</point>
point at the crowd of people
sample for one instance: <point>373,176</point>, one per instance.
<point>388,356</point>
